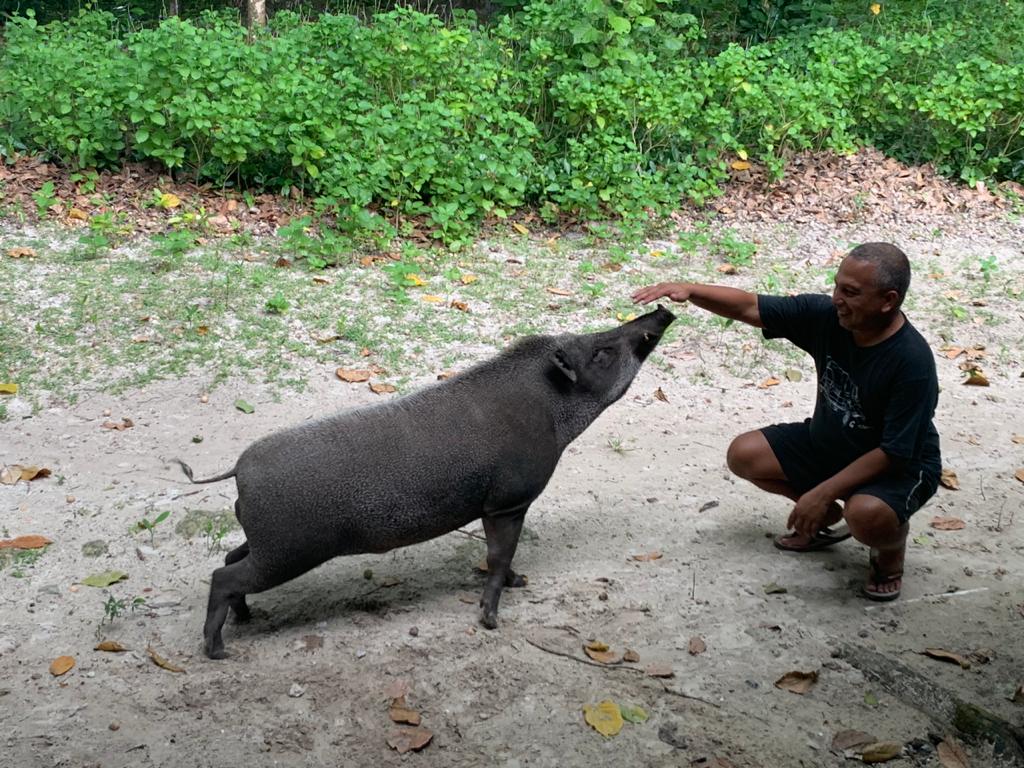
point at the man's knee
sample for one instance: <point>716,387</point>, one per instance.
<point>872,521</point>
<point>749,456</point>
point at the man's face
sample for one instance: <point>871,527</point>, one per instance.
<point>860,303</point>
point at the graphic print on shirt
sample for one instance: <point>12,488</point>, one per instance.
<point>840,392</point>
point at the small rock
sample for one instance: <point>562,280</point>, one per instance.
<point>296,690</point>
<point>414,632</point>
<point>360,653</point>
<point>69,499</point>
<point>669,733</point>
<point>95,548</point>
<point>114,726</point>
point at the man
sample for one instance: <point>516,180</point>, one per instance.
<point>870,444</point>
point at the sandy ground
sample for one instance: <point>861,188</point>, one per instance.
<point>306,683</point>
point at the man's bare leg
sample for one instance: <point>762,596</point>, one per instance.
<point>751,457</point>
<point>874,523</point>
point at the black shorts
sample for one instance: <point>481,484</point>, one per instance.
<point>805,466</point>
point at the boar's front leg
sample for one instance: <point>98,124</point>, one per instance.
<point>502,530</point>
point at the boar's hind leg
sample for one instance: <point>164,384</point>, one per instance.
<point>238,604</point>
<point>228,588</point>
<point>502,531</point>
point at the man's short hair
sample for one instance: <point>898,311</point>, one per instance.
<point>892,268</point>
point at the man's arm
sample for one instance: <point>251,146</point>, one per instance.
<point>809,512</point>
<point>721,300</point>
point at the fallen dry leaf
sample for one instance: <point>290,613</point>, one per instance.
<point>660,395</point>
<point>660,669</point>
<point>15,472</point>
<point>380,389</point>
<point>949,479</point>
<point>1019,474</point>
<point>595,645</point>
<point>771,381</point>
<point>322,281</point>
<point>1018,439</point>
<point>712,762</point>
<point>947,523</point>
<point>21,252</point>
<point>952,353</point>
<point>604,657</point>
<point>942,655</point>
<point>951,754</point>
<point>409,739</point>
<point>605,718</point>
<point>353,376</point>
<point>32,541</point>
<point>8,388</point>
<point>648,557</point>
<point>398,689</point>
<point>160,661</point>
<point>696,646</point>
<point>78,214</point>
<point>120,426</point>
<point>851,739</point>
<point>520,228</point>
<point>283,263</point>
<point>459,305</point>
<point>881,751</point>
<point>976,378</point>
<point>432,299</point>
<point>467,279</point>
<point>61,665</point>
<point>403,715</point>
<point>727,269</point>
<point>110,646</point>
<point>558,291</point>
<point>1018,695</point>
<point>797,682</point>
<point>631,656</point>
<point>740,165</point>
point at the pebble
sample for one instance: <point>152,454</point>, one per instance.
<point>360,653</point>
<point>414,632</point>
<point>296,690</point>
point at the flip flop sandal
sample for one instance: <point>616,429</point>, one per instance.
<point>824,538</point>
<point>878,577</point>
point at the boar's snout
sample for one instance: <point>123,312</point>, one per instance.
<point>647,330</point>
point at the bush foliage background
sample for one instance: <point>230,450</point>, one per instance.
<point>601,107</point>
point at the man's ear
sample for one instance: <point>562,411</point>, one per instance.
<point>561,361</point>
<point>892,301</point>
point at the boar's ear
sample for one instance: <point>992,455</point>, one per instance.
<point>561,361</point>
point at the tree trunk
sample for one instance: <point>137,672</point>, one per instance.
<point>173,8</point>
<point>255,14</point>
<point>944,707</point>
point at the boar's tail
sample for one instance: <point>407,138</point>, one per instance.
<point>188,473</point>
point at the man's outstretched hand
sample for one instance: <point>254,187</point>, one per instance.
<point>675,291</point>
<point>809,513</point>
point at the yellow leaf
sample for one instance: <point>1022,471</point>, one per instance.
<point>1019,474</point>
<point>160,661</point>
<point>771,381</point>
<point>742,154</point>
<point>625,318</point>
<point>595,645</point>
<point>110,646</point>
<point>78,213</point>
<point>657,254</point>
<point>949,479</point>
<point>740,165</point>
<point>605,718</point>
<point>467,279</point>
<point>876,8</point>
<point>169,200</point>
<point>61,665</point>
<point>414,279</point>
<point>604,657</point>
<point>459,305</point>
<point>9,389</point>
<point>21,253</point>
<point>431,299</point>
<point>382,388</point>
<point>520,228</point>
<point>881,752</point>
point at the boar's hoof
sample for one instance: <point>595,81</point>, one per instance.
<point>516,580</point>
<point>489,620</point>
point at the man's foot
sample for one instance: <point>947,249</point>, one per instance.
<point>826,536</point>
<point>886,576</point>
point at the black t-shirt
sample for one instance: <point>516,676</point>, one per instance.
<point>882,396</point>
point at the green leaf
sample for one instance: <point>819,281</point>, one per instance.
<point>162,516</point>
<point>634,714</point>
<point>243,406</point>
<point>870,699</point>
<point>141,136</point>
<point>619,24</point>
<point>590,60</point>
<point>104,579</point>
